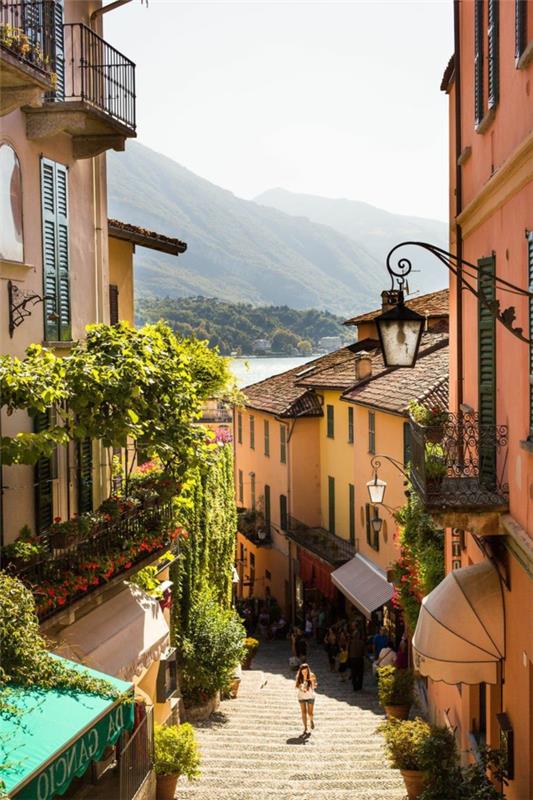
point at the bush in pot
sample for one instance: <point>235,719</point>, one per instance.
<point>395,691</point>
<point>175,753</point>
<point>251,646</point>
<point>447,779</point>
<point>406,742</point>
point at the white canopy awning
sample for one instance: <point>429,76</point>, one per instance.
<point>122,637</point>
<point>459,637</point>
<point>363,583</point>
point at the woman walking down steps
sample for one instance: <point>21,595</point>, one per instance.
<point>253,748</point>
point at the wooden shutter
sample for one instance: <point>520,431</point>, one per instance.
<point>330,422</point>
<point>351,511</point>
<point>530,278</point>
<point>239,427</point>
<point>241,486</point>
<point>267,506</point>
<point>252,433</point>
<point>113,304</point>
<point>331,504</point>
<point>478,62</point>
<point>368,526</point>
<point>283,517</point>
<point>406,443</point>
<point>520,21</point>
<point>54,204</point>
<point>58,54</point>
<point>371,432</point>
<point>267,437</point>
<point>282,444</point>
<point>252,492</point>
<point>487,368</point>
<point>85,476</point>
<point>493,53</point>
<point>350,426</point>
<point>43,473</point>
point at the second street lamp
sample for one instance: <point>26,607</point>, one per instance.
<point>377,524</point>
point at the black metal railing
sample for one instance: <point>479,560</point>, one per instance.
<point>136,757</point>
<point>460,464</point>
<point>321,542</point>
<point>27,32</point>
<point>98,74</point>
<point>254,526</point>
<point>71,554</point>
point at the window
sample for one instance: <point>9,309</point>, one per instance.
<point>239,427</point>
<point>406,443</point>
<point>351,511</point>
<point>493,47</point>
<point>530,284</point>
<point>520,10</point>
<point>350,426</point>
<point>330,411</point>
<point>266,425</point>
<point>252,491</point>
<point>252,432</point>
<point>283,444</point>
<point>11,239</point>
<point>267,507</point>
<point>252,561</point>
<point>283,515</point>
<point>479,722</point>
<point>478,62</point>
<point>241,487</point>
<point>331,504</point>
<point>54,203</point>
<point>372,538</point>
<point>43,477</point>
<point>371,432</point>
<point>113,304</point>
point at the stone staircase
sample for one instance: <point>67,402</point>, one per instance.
<point>252,750</point>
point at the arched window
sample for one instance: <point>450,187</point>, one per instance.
<point>11,239</point>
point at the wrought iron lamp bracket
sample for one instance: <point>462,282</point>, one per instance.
<point>18,305</point>
<point>400,269</point>
<point>375,463</point>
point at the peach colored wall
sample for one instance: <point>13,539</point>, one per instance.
<point>267,559</point>
<point>121,274</point>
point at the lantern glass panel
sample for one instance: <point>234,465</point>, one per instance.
<point>376,490</point>
<point>400,340</point>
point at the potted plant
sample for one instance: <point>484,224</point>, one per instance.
<point>435,466</point>
<point>432,419</point>
<point>24,551</point>
<point>175,753</point>
<point>395,691</point>
<point>406,742</point>
<point>251,647</point>
<point>63,534</point>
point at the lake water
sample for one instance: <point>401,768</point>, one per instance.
<point>251,370</point>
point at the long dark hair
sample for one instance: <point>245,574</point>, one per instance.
<point>299,676</point>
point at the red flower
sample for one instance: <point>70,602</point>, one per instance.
<point>57,519</point>
<point>61,601</point>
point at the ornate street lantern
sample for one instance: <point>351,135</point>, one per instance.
<point>376,489</point>
<point>376,523</point>
<point>400,331</point>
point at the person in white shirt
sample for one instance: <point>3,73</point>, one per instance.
<point>386,658</point>
<point>306,684</point>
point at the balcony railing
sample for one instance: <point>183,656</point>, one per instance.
<point>72,566</point>
<point>460,464</point>
<point>27,32</point>
<point>253,525</point>
<point>321,542</point>
<point>97,74</point>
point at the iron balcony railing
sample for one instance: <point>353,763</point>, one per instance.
<point>321,542</point>
<point>137,757</point>
<point>96,73</point>
<point>460,464</point>
<point>27,32</point>
<point>254,526</point>
<point>70,555</point>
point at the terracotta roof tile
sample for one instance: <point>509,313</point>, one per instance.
<point>434,304</point>
<point>448,73</point>
<point>144,237</point>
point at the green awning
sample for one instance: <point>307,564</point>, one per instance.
<point>57,735</point>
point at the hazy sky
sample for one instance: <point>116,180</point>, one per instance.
<point>339,99</point>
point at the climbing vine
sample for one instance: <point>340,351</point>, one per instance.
<point>420,567</point>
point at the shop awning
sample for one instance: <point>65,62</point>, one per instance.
<point>363,583</point>
<point>56,735</point>
<point>459,637</point>
<point>122,637</point>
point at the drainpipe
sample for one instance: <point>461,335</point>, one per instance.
<point>458,200</point>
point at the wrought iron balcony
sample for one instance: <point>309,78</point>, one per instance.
<point>74,564</point>
<point>321,542</point>
<point>460,465</point>
<point>27,50</point>
<point>253,525</point>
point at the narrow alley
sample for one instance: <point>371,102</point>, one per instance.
<point>252,745</point>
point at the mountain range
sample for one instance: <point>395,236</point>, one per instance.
<point>282,249</point>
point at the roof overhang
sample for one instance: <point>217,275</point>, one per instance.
<point>145,238</point>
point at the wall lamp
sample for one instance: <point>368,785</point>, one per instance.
<point>377,487</point>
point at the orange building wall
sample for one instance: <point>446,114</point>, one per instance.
<point>304,466</point>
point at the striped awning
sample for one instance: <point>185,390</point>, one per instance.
<point>363,583</point>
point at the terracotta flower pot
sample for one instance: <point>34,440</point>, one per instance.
<point>166,786</point>
<point>398,712</point>
<point>415,782</point>
<point>247,663</point>
<point>234,687</point>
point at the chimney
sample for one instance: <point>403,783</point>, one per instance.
<point>363,365</point>
<point>389,299</point>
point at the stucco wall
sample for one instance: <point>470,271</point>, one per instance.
<point>121,274</point>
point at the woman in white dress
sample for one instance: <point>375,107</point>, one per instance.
<point>306,684</point>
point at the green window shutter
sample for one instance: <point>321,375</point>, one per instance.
<point>55,232</point>
<point>406,443</point>
<point>43,474</point>
<point>113,304</point>
<point>267,437</point>
<point>331,504</point>
<point>520,31</point>
<point>283,516</point>
<point>241,486</point>
<point>493,53</point>
<point>85,476</point>
<point>239,427</point>
<point>478,62</point>
<point>267,507</point>
<point>252,492</point>
<point>371,432</point>
<point>487,368</point>
<point>54,20</point>
<point>330,421</point>
<point>350,426</point>
<point>282,444</point>
<point>368,526</point>
<point>252,433</point>
<point>351,511</point>
<point>530,285</point>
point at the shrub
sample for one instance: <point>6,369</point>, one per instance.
<point>251,646</point>
<point>211,647</point>
<point>435,461</point>
<point>406,741</point>
<point>451,781</point>
<point>423,415</point>
<point>395,686</point>
<point>176,751</point>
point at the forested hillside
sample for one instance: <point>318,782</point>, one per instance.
<point>234,326</point>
